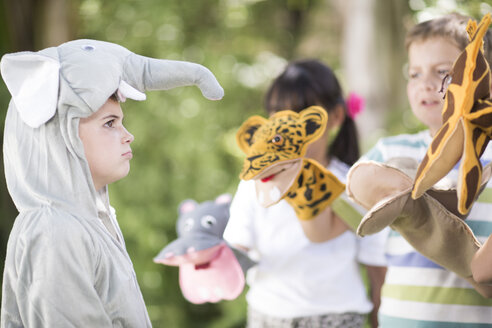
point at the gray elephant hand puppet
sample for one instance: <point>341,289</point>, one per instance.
<point>209,269</point>
<point>432,223</point>
<point>90,71</point>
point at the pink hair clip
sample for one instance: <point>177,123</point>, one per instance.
<point>355,104</point>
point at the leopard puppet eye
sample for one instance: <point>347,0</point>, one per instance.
<point>277,140</point>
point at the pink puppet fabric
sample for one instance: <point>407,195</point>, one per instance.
<point>218,279</point>
<point>209,269</point>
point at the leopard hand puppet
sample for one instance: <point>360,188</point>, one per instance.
<point>467,123</point>
<point>275,150</point>
<point>432,223</point>
<point>209,269</point>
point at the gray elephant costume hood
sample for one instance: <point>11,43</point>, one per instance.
<point>66,262</point>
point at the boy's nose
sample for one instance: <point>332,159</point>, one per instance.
<point>431,83</point>
<point>127,136</point>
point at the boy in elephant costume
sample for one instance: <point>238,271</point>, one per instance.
<point>64,142</point>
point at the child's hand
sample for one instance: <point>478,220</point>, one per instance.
<point>209,269</point>
<point>314,189</point>
<point>430,223</point>
<point>275,150</point>
<point>466,130</point>
<point>481,264</point>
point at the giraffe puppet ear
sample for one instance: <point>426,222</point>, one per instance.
<point>244,136</point>
<point>32,80</point>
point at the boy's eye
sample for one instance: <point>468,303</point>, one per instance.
<point>443,72</point>
<point>109,124</point>
<point>413,75</point>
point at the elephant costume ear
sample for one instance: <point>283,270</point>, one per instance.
<point>32,79</point>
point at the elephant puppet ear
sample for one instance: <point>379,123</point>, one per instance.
<point>187,206</point>
<point>33,81</point>
<point>223,199</point>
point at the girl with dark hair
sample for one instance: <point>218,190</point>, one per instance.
<point>307,83</point>
<point>308,271</point>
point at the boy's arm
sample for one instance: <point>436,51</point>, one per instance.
<point>371,253</point>
<point>376,276</point>
<point>481,264</point>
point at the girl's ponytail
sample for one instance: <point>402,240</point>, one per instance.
<point>345,147</point>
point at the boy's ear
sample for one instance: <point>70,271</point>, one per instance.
<point>33,81</point>
<point>244,136</point>
<point>314,120</point>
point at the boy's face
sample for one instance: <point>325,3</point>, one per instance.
<point>429,62</point>
<point>106,144</point>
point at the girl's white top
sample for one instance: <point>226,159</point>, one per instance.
<point>295,277</point>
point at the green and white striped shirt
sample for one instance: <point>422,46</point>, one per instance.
<point>417,292</point>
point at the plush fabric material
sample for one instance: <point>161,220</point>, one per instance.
<point>219,279</point>
<point>66,262</point>
<point>430,223</point>
<point>90,72</point>
<point>209,270</point>
<point>275,150</point>
<point>467,123</point>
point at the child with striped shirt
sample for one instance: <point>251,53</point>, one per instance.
<point>417,292</point>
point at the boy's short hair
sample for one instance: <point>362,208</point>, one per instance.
<point>451,27</point>
<point>114,97</point>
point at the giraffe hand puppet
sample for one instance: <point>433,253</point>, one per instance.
<point>432,223</point>
<point>275,150</point>
<point>467,123</point>
<point>209,269</point>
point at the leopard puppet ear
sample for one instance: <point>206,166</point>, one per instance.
<point>244,136</point>
<point>314,120</point>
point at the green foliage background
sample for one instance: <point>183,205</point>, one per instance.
<point>184,144</point>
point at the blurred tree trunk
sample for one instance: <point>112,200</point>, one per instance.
<point>34,25</point>
<point>27,25</point>
<point>373,56</point>
<point>19,18</point>
<point>57,22</point>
